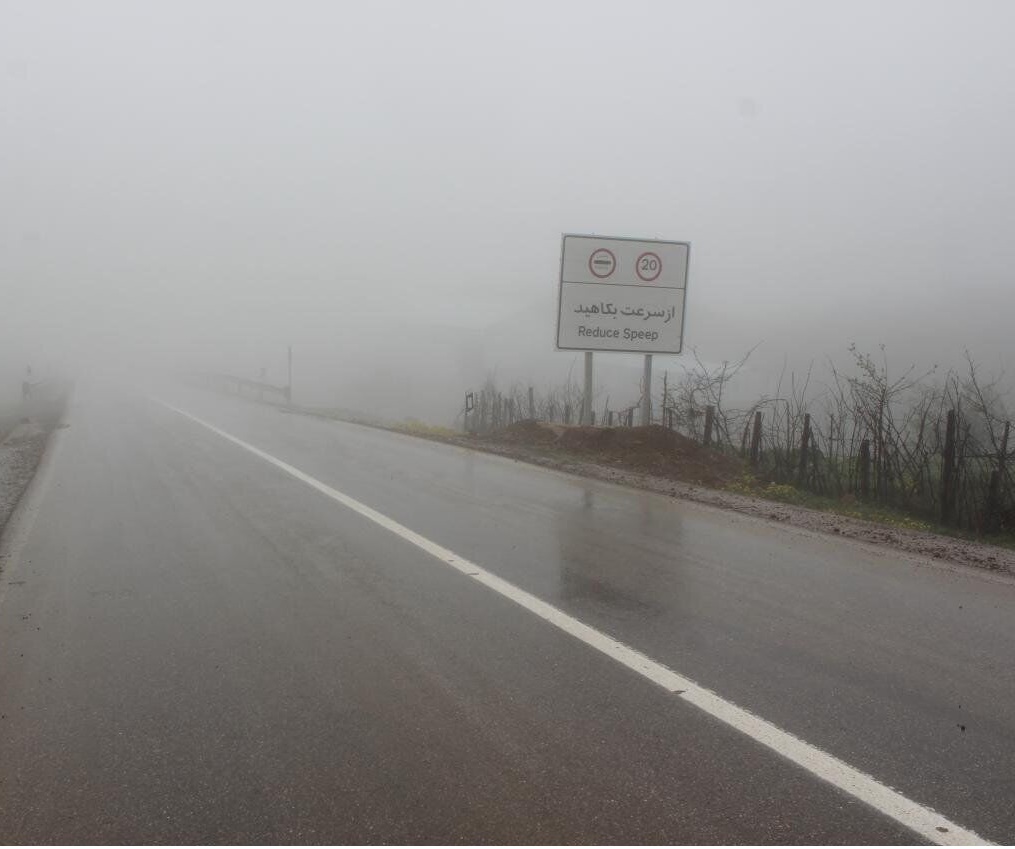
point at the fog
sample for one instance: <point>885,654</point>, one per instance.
<point>383,186</point>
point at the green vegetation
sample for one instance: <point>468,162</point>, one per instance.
<point>415,427</point>
<point>854,508</point>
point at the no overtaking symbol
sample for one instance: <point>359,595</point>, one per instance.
<point>602,263</point>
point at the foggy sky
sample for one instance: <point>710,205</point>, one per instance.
<point>384,185</point>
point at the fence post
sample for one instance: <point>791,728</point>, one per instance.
<point>609,418</point>
<point>992,522</point>
<point>592,416</point>
<point>709,419</point>
<point>532,404</point>
<point>630,417</point>
<point>805,440</point>
<point>865,468</point>
<point>567,414</point>
<point>992,517</point>
<point>756,439</point>
<point>948,469</point>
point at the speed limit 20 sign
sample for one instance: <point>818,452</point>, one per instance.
<point>648,266</point>
<point>622,295</point>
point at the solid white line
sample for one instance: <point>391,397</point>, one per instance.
<point>922,820</point>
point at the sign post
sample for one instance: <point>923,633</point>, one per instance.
<point>646,397</point>
<point>587,397</point>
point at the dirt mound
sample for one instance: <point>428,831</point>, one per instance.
<point>530,432</point>
<point>653,449</point>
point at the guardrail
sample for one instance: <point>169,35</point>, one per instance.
<point>230,384</point>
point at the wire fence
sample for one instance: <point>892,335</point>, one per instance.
<point>937,448</point>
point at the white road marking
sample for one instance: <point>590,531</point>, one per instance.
<point>922,820</point>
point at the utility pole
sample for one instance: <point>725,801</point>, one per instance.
<point>646,395</point>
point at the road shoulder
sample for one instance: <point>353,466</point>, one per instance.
<point>921,544</point>
<point>21,451</point>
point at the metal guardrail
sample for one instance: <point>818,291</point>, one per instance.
<point>229,384</point>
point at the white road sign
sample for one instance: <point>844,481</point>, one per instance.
<point>622,295</point>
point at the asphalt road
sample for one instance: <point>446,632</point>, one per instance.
<point>197,646</point>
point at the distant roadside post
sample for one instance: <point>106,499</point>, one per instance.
<point>621,295</point>
<point>289,385</point>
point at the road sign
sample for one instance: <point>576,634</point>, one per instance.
<point>621,295</point>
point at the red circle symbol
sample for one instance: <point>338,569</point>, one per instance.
<point>649,266</point>
<point>602,263</point>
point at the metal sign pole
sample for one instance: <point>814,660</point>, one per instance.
<point>646,397</point>
<point>587,399</point>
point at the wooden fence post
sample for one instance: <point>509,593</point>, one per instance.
<point>992,513</point>
<point>532,404</point>
<point>992,522</point>
<point>756,439</point>
<point>864,461</point>
<point>609,418</point>
<point>709,419</point>
<point>567,414</point>
<point>805,440</point>
<point>948,470</point>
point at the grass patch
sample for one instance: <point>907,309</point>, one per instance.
<point>415,427</point>
<point>854,509</point>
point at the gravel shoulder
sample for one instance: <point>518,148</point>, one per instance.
<point>23,437</point>
<point>921,543</point>
<point>918,543</point>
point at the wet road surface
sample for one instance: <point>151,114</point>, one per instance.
<point>198,647</point>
